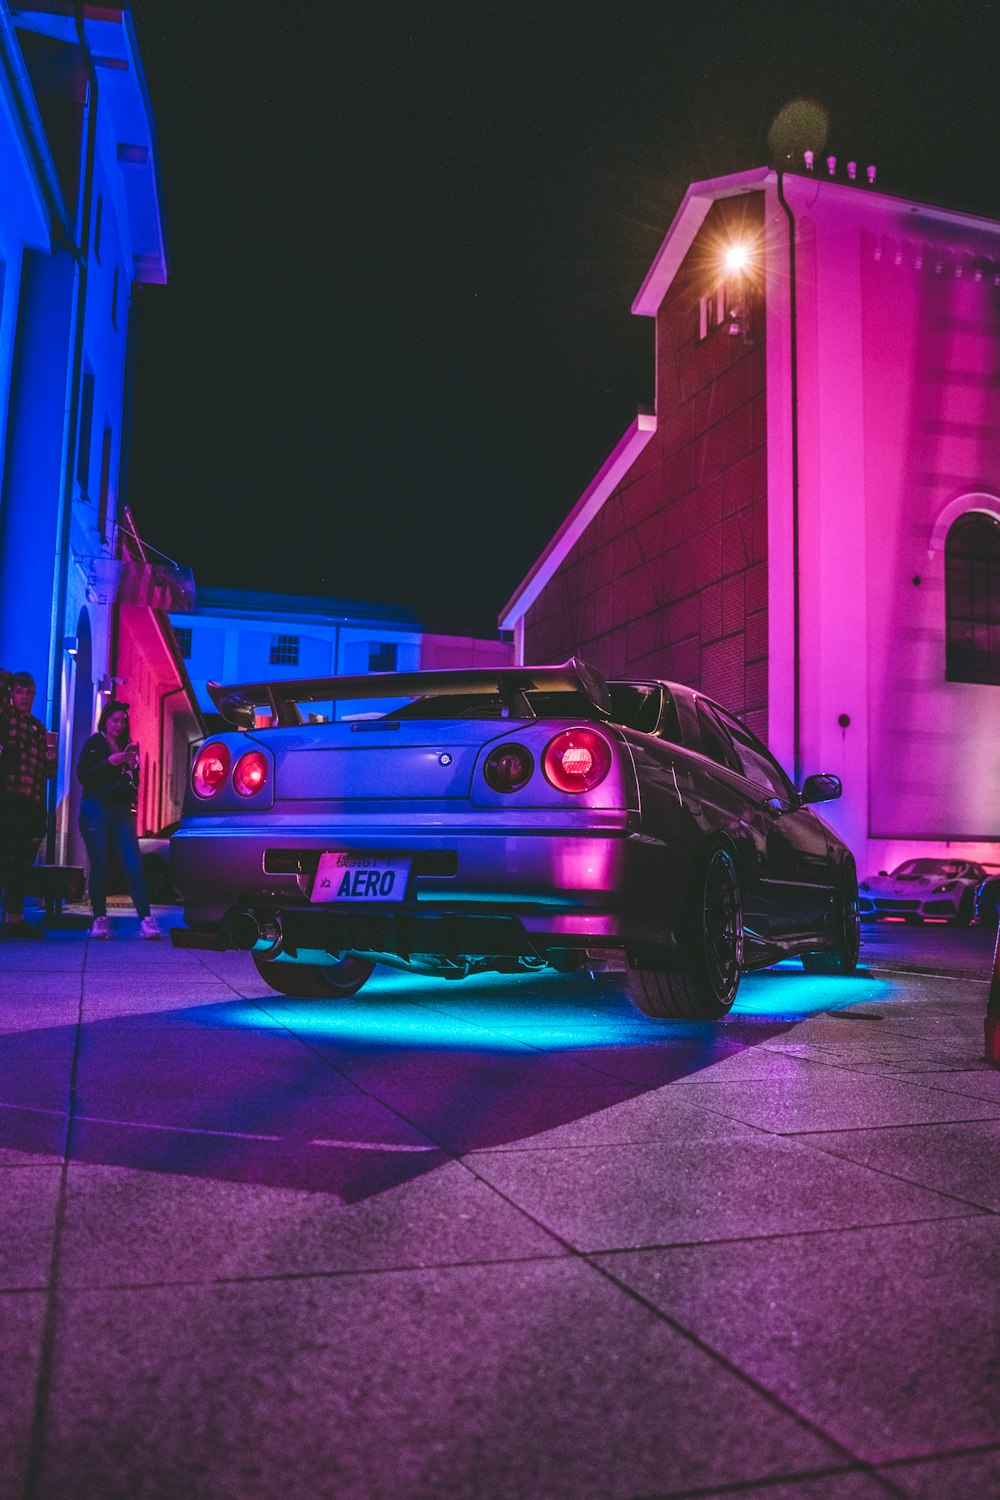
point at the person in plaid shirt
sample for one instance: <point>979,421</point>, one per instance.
<point>27,760</point>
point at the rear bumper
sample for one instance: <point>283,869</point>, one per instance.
<point>520,892</point>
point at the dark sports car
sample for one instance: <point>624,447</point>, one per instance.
<point>507,820</point>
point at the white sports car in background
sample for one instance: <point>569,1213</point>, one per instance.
<point>923,888</point>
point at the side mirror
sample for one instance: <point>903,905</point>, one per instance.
<point>821,788</point>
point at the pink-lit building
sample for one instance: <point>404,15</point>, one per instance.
<point>807,526</point>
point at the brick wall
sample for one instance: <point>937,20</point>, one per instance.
<point>670,579</point>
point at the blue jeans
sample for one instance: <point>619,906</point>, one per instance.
<point>110,828</point>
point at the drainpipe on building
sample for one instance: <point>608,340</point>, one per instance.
<point>71,427</point>
<point>794,382</point>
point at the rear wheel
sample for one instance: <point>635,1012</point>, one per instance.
<point>847,931</point>
<point>336,981</point>
<point>704,990</point>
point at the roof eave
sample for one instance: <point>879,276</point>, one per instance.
<point>687,221</point>
<point>611,473</point>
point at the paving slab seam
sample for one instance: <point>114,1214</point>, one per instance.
<point>334,1274</point>
<point>977,1451</point>
<point>763,1487</point>
<point>981,1209</point>
<point>36,1442</point>
<point>895,1125</point>
<point>852,1460</point>
<point>792,1234</point>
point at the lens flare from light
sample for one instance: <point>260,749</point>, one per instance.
<point>737,258</point>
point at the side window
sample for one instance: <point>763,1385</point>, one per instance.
<point>758,766</point>
<point>972,599</point>
<point>714,742</point>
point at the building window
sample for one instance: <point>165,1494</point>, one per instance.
<point>972,599</point>
<point>104,496</point>
<point>711,312</point>
<point>284,651</point>
<point>382,656</point>
<point>182,635</point>
<point>83,442</point>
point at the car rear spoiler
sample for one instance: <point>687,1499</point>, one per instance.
<point>237,704</point>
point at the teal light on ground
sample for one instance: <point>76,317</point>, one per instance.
<point>549,1012</point>
<point>784,992</point>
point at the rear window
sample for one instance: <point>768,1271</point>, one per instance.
<point>639,706</point>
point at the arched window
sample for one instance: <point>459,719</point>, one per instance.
<point>972,599</point>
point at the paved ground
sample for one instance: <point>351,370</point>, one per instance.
<point>497,1239</point>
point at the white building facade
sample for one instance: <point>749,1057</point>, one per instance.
<point>80,227</point>
<point>807,527</point>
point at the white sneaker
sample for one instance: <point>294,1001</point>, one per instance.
<point>99,928</point>
<point>149,928</point>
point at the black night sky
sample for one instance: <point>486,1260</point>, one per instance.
<point>404,239</point>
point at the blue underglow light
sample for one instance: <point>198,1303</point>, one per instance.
<point>784,991</point>
<point>547,1012</point>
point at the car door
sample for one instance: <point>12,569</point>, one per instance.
<point>799,869</point>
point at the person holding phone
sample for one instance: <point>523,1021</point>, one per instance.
<point>108,771</point>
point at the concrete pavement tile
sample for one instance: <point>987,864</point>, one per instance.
<point>470,1383</point>
<point>213,1208</point>
<point>606,1197</point>
<point>907,1061</point>
<point>982,1082</point>
<point>963,1160</point>
<point>459,1069</point>
<point>21,1318</point>
<point>173,1007</point>
<point>815,1097</point>
<point>520,1119</point>
<point>967,1476</point>
<point>29,1075</point>
<point>886,1338</point>
<point>28,1200</point>
<point>117,1060</point>
<point>667,1058</point>
<point>31,1135</point>
<point>855,1484</point>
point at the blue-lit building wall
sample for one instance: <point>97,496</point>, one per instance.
<point>232,636</point>
<point>80,226</point>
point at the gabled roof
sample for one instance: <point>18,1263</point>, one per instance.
<point>687,221</point>
<point>617,464</point>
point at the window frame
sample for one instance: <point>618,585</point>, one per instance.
<point>285,650</point>
<point>970,620</point>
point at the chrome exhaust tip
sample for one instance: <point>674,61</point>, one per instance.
<point>249,934</point>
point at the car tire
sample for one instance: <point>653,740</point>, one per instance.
<point>336,981</point>
<point>966,910</point>
<point>705,988</point>
<point>843,959</point>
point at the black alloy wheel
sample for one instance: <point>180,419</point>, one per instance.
<point>843,959</point>
<point>704,990</point>
<point>337,981</point>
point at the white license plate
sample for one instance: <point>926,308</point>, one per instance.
<point>361,878</point>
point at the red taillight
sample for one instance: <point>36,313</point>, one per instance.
<point>210,770</point>
<point>508,767</point>
<point>577,760</point>
<point>250,774</point>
